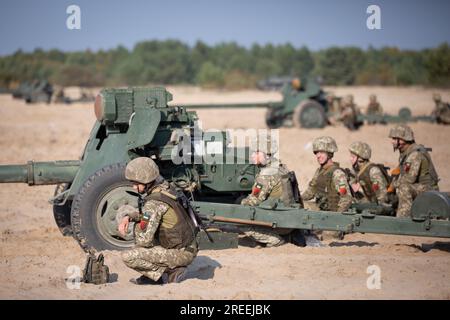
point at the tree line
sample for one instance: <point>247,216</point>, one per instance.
<point>227,65</point>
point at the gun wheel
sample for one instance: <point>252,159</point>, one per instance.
<point>61,212</point>
<point>273,120</point>
<point>95,206</point>
<point>310,114</point>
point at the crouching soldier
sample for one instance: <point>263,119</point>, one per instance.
<point>370,179</point>
<point>329,186</point>
<point>165,235</point>
<point>417,172</point>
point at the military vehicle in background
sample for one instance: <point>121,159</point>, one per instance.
<point>138,122</point>
<point>34,91</point>
<point>273,83</point>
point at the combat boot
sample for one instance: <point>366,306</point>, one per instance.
<point>143,280</point>
<point>176,275</point>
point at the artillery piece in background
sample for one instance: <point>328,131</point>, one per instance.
<point>43,91</point>
<point>306,106</point>
<point>137,122</point>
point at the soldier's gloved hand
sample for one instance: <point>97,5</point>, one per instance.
<point>123,226</point>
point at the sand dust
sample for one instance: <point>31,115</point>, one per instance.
<point>34,256</point>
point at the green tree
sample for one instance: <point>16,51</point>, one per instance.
<point>210,75</point>
<point>438,65</point>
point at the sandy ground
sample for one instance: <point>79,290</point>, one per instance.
<point>34,256</point>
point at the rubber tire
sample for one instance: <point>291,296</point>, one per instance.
<point>307,106</point>
<point>272,121</point>
<point>83,216</point>
<point>62,213</point>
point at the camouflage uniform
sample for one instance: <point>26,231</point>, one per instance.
<point>329,186</point>
<point>330,189</point>
<point>374,108</point>
<point>267,186</point>
<point>442,110</point>
<point>349,113</point>
<point>373,181</point>
<point>417,172</point>
<point>165,237</point>
<point>334,108</point>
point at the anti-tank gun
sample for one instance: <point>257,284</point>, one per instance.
<point>306,106</point>
<point>138,122</point>
<point>130,123</point>
<point>302,106</point>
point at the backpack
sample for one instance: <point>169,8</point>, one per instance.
<point>95,271</point>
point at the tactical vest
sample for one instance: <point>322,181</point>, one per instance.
<point>176,229</point>
<point>427,173</point>
<point>373,108</point>
<point>326,196</point>
<point>364,176</point>
<point>283,188</point>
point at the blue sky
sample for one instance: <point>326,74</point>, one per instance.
<point>318,24</point>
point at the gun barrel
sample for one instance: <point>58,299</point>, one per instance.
<point>40,173</point>
<point>234,105</point>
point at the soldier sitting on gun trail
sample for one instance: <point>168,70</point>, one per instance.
<point>273,183</point>
<point>442,110</point>
<point>334,108</point>
<point>370,179</point>
<point>349,114</point>
<point>165,235</point>
<point>374,108</point>
<point>329,186</point>
<point>417,172</point>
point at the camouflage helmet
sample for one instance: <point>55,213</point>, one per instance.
<point>296,83</point>
<point>361,149</point>
<point>348,99</point>
<point>436,97</point>
<point>327,144</point>
<point>402,131</point>
<point>142,170</point>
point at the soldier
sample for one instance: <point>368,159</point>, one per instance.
<point>165,235</point>
<point>349,114</point>
<point>329,186</point>
<point>370,179</point>
<point>374,108</point>
<point>330,102</point>
<point>271,183</point>
<point>442,110</point>
<point>334,108</point>
<point>417,172</point>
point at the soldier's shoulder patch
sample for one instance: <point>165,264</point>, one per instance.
<point>407,167</point>
<point>257,189</point>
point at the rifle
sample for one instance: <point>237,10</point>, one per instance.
<point>183,199</point>
<point>350,175</point>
